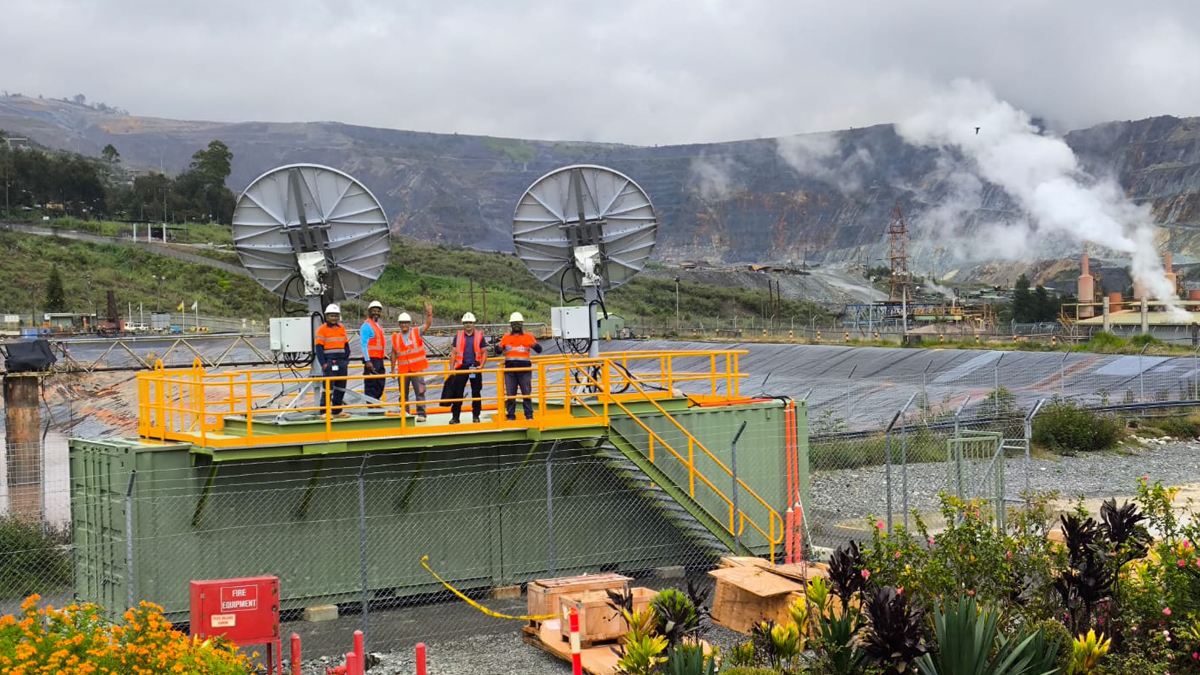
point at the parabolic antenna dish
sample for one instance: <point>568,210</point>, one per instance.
<point>579,206</point>
<point>307,208</point>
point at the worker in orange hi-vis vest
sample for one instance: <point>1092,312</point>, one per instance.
<point>408,357</point>
<point>332,348</point>
<point>374,346</point>
<point>517,348</point>
<point>468,354</point>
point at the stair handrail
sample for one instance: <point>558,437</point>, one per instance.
<point>741,518</point>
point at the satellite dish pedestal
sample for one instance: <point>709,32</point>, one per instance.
<point>311,234</point>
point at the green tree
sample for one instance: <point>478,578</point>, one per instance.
<point>1044,304</point>
<point>1024,309</point>
<point>213,164</point>
<point>110,154</point>
<point>56,297</point>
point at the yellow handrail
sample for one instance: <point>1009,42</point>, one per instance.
<point>734,519</point>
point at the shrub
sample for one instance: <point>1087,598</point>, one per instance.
<point>1143,340</point>
<point>76,639</point>
<point>749,670</point>
<point>1179,427</point>
<point>31,561</point>
<point>1103,342</point>
<point>1064,427</point>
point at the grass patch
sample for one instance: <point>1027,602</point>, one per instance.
<point>1183,426</point>
<point>923,446</point>
<point>186,233</point>
<point>30,561</point>
<point>138,276</point>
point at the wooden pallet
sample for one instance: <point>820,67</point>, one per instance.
<point>598,659</point>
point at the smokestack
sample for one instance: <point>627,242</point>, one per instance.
<point>1087,291</point>
<point>1114,302</point>
<point>1139,291</point>
<point>1171,275</point>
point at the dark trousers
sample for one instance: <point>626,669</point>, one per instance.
<point>373,387</point>
<point>512,382</point>
<point>456,383</point>
<point>337,388</point>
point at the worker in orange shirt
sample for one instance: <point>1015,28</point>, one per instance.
<point>374,344</point>
<point>409,358</point>
<point>332,348</point>
<point>518,348</point>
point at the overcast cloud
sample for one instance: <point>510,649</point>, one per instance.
<point>634,71</point>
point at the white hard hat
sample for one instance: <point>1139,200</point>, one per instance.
<point>333,309</point>
<point>516,316</point>
<point>374,304</point>
<point>469,317</point>
<point>404,317</point>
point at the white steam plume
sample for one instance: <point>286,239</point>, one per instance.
<point>713,176</point>
<point>819,157</point>
<point>1044,177</point>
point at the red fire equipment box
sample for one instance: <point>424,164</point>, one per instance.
<point>244,611</point>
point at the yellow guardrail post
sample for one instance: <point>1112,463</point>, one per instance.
<point>249,408</point>
<point>326,394</point>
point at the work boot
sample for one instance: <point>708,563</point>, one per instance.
<point>475,419</point>
<point>511,418</point>
<point>420,418</point>
<point>342,415</point>
<point>453,420</point>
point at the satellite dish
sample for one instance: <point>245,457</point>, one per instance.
<point>306,232</point>
<point>584,227</point>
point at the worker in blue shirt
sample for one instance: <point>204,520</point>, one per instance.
<point>374,349</point>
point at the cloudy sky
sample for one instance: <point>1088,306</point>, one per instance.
<point>635,71</point>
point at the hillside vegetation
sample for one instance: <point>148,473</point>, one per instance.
<point>89,270</point>
<point>443,275</point>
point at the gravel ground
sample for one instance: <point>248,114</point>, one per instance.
<point>458,639</point>
<point>846,496</point>
<point>488,655</point>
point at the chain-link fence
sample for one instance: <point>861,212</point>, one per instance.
<point>351,530</point>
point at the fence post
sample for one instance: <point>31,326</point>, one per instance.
<point>1195,387</point>
<point>737,542</point>
<point>904,459</point>
<point>1142,373</point>
<point>550,506</point>
<point>1029,440</point>
<point>362,543</point>
<point>1062,375</point>
<point>996,387</point>
<point>129,540</point>
<point>887,436</point>
<point>958,458</point>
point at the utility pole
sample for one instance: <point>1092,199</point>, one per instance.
<point>677,324</point>
<point>473,296</point>
<point>483,293</point>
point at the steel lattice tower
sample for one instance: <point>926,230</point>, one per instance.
<point>898,254</point>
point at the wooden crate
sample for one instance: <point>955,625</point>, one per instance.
<point>544,594</point>
<point>598,621</point>
<point>747,596</point>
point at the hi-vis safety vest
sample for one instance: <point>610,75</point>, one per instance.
<point>517,347</point>
<point>460,348</point>
<point>410,353</point>
<point>334,340</point>
<point>376,345</point>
